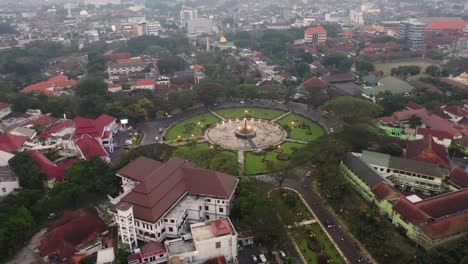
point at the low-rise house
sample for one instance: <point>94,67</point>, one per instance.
<point>160,199</point>
<point>53,86</point>
<point>152,252</point>
<point>105,256</point>
<point>54,172</point>
<point>8,181</point>
<point>5,109</point>
<point>208,240</point>
<point>12,143</point>
<point>114,87</point>
<point>145,84</point>
<point>78,232</point>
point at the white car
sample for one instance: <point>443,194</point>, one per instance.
<point>242,102</point>
<point>263,258</point>
<point>281,252</point>
<point>156,139</point>
<point>254,258</point>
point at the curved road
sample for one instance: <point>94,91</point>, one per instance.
<point>345,241</point>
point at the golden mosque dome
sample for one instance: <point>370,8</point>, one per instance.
<point>464,76</point>
<point>222,40</point>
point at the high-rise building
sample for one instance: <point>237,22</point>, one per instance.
<point>315,35</point>
<point>186,14</point>
<point>200,26</point>
<point>357,17</point>
<point>152,28</point>
<point>413,32</point>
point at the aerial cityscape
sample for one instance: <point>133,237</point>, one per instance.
<point>234,131</point>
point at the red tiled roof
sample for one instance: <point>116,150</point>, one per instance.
<point>447,25</point>
<point>113,85</point>
<point>129,60</point>
<point>49,168</point>
<point>144,82</point>
<point>64,236</point>
<point>221,227</point>
<point>314,82</point>
<point>4,105</point>
<point>455,110</point>
<point>167,183</point>
<point>384,191</point>
<point>460,177</point>
<point>446,204</point>
<point>427,150</point>
<point>413,105</point>
<point>151,248</point>
<point>318,30</point>
<point>85,126</point>
<point>139,168</point>
<point>102,121</point>
<point>427,132</point>
<point>47,87</point>
<point>56,128</point>
<point>90,147</point>
<point>410,212</point>
<point>10,142</point>
<point>447,226</point>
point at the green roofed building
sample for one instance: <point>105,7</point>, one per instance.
<point>388,84</point>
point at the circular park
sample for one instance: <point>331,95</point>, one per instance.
<point>261,139</point>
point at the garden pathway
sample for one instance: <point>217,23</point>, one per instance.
<point>240,160</point>
<point>217,115</point>
<point>295,141</point>
<point>281,116</point>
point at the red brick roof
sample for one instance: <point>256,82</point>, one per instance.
<point>314,82</point>
<point>152,247</point>
<point>90,147</point>
<point>64,236</point>
<point>221,227</point>
<point>447,226</point>
<point>48,87</point>
<point>427,132</point>
<point>144,82</point>
<point>410,212</point>
<point>10,143</point>
<point>460,177</point>
<point>427,150</point>
<point>443,205</point>
<point>413,105</point>
<point>92,127</point>
<point>53,171</point>
<point>56,128</point>
<point>384,191</point>
<point>4,105</point>
<point>318,30</point>
<point>447,25</point>
<point>166,184</point>
<point>139,168</point>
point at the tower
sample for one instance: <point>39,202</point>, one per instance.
<point>125,220</point>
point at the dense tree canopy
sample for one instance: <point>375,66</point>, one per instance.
<point>209,92</point>
<point>353,109</point>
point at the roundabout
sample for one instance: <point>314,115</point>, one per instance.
<point>245,134</point>
<point>260,140</point>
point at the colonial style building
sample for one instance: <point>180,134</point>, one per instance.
<point>429,222</point>
<point>161,199</point>
<point>315,35</point>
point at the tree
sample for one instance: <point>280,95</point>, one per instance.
<point>414,121</point>
<point>364,66</point>
<point>338,61</point>
<point>280,175</point>
<point>27,171</point>
<point>209,92</point>
<point>302,69</point>
<point>121,254</point>
<point>353,109</point>
<point>170,64</point>
<point>160,152</point>
<point>246,91</point>
<point>433,70</point>
<point>91,86</point>
<point>391,149</point>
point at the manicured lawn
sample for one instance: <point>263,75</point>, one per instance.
<point>253,163</point>
<point>262,113</point>
<point>301,128</point>
<point>184,151</point>
<point>290,207</point>
<point>192,126</point>
<point>313,236</point>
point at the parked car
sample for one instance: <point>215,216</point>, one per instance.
<point>156,139</point>
<point>263,258</point>
<point>281,252</point>
<point>254,258</point>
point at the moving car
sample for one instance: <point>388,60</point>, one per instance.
<point>263,258</point>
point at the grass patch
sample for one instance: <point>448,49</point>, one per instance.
<point>301,128</point>
<point>191,126</point>
<point>313,241</point>
<point>290,207</point>
<point>386,67</point>
<point>262,113</point>
<point>256,163</point>
<point>185,151</point>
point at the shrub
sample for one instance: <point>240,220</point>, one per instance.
<point>283,157</point>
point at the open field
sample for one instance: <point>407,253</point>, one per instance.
<point>257,163</point>
<point>301,128</point>
<point>386,67</point>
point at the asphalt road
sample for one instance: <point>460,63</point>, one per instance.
<point>342,238</point>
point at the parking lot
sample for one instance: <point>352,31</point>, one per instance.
<point>245,255</point>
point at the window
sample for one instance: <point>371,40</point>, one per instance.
<point>4,189</point>
<point>172,221</point>
<point>165,220</point>
<point>208,200</point>
<point>221,210</point>
<point>163,230</point>
<point>171,229</point>
<point>153,258</point>
<point>161,255</point>
<point>207,208</point>
<point>218,244</point>
<point>207,217</point>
